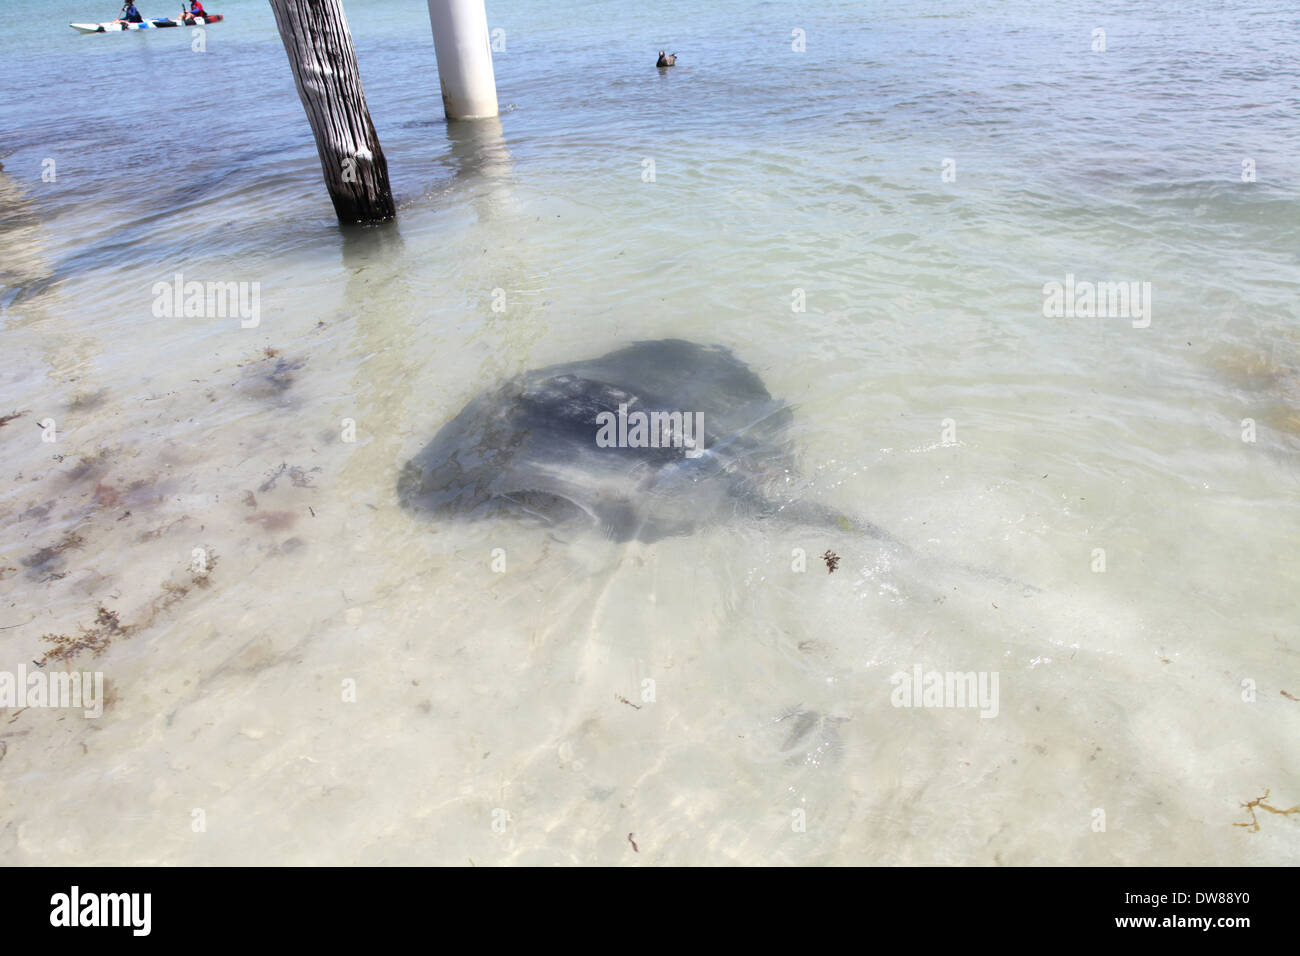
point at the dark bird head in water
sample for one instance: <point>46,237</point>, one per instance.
<point>668,60</point>
<point>533,447</point>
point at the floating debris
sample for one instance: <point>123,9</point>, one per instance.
<point>298,477</point>
<point>108,624</point>
<point>95,639</point>
<point>1258,803</point>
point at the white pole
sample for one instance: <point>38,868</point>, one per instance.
<point>464,49</point>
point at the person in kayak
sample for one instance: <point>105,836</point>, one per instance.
<point>130,14</point>
<point>196,10</point>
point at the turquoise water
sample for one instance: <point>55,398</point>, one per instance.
<point>777,174</point>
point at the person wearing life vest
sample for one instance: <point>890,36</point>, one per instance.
<point>130,14</point>
<point>195,10</point>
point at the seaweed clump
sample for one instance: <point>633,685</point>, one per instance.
<point>99,636</point>
<point>1258,802</point>
<point>95,639</point>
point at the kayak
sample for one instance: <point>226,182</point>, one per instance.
<point>156,24</point>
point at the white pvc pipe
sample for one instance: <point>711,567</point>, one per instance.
<point>464,49</point>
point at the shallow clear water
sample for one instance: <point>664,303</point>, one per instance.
<point>485,696</point>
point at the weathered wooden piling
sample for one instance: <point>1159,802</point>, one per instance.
<point>464,49</point>
<point>319,45</point>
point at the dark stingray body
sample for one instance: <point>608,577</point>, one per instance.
<point>529,447</point>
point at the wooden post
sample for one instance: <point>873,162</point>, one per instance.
<point>464,49</point>
<point>319,45</point>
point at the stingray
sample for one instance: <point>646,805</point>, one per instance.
<point>534,448</point>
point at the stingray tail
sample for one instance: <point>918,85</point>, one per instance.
<point>819,516</point>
